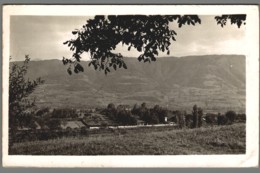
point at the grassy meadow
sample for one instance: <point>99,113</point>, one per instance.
<point>229,139</point>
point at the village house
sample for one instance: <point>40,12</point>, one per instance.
<point>72,125</point>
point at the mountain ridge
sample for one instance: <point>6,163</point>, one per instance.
<point>209,81</point>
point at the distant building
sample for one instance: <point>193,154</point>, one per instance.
<point>165,119</point>
<point>124,107</point>
<point>72,124</point>
<point>140,122</point>
<point>38,127</point>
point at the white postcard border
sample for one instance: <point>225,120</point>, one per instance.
<point>250,159</point>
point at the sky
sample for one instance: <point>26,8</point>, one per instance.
<point>42,38</point>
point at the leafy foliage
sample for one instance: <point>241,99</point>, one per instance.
<point>148,34</point>
<point>54,124</point>
<point>125,117</point>
<point>231,115</point>
<point>101,35</point>
<point>160,112</point>
<point>19,89</point>
<point>154,115</point>
<point>120,114</point>
<point>234,19</point>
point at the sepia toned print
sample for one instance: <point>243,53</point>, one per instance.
<point>145,85</point>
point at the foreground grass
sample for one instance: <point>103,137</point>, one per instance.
<point>211,140</point>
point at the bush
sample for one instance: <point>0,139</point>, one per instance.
<point>241,118</point>
<point>180,119</point>
<point>160,113</point>
<point>111,112</point>
<point>54,124</point>
<point>211,118</point>
<point>231,116</point>
<point>84,131</point>
<point>125,117</point>
<point>222,120</point>
<point>189,120</point>
<point>200,114</point>
<point>111,106</point>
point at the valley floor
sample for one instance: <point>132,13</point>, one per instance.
<point>229,139</point>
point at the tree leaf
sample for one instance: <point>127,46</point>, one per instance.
<point>124,65</point>
<point>114,66</point>
<point>102,66</point>
<point>79,68</point>
<point>74,32</point>
<point>95,66</point>
<point>76,70</point>
<point>153,58</point>
<point>140,58</point>
<point>69,71</point>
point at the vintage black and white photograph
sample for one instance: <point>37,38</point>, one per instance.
<point>155,81</point>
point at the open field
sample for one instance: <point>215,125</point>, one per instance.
<point>228,139</point>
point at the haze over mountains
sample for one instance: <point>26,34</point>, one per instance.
<point>215,82</point>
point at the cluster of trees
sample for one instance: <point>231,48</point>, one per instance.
<point>159,115</point>
<point>228,118</point>
<point>194,120</point>
<point>26,120</point>
<point>153,115</point>
<point>126,116</point>
<point>223,119</point>
<point>120,115</point>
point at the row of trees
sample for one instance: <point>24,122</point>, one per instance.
<point>120,115</point>
<point>160,115</point>
<point>153,115</point>
<point>126,116</point>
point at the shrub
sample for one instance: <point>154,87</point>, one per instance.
<point>189,120</point>
<point>160,113</point>
<point>125,117</point>
<point>231,115</point>
<point>54,124</point>
<point>211,118</point>
<point>180,119</point>
<point>195,116</point>
<point>200,114</point>
<point>222,120</point>
<point>111,106</point>
<point>241,118</point>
